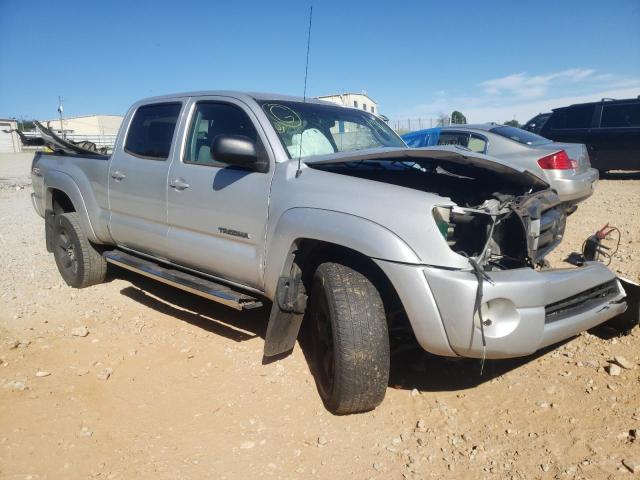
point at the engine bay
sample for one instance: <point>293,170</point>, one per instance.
<point>499,220</point>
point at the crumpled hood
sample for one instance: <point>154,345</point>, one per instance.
<point>448,154</point>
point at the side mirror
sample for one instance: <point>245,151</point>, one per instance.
<point>237,150</point>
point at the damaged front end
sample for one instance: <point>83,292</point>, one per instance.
<point>483,272</point>
<point>506,231</point>
<point>500,215</point>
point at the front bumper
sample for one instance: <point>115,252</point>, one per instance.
<point>575,188</point>
<point>527,309</point>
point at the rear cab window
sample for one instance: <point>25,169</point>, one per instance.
<point>151,130</point>
<point>519,135</point>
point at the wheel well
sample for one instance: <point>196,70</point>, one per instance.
<point>60,202</point>
<point>310,253</point>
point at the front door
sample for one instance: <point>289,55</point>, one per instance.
<point>217,213</point>
<point>138,180</point>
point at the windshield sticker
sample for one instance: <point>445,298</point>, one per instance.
<point>284,118</point>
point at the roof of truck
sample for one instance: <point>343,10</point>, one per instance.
<point>237,94</point>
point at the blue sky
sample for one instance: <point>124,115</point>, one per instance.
<point>492,60</point>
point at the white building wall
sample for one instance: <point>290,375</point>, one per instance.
<point>88,125</point>
<point>9,142</point>
<point>354,100</point>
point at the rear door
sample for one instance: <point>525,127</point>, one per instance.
<point>138,179</point>
<point>617,140</point>
<point>217,213</point>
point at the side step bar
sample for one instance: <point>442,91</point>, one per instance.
<point>182,280</point>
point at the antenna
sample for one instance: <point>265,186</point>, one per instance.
<point>60,110</point>
<point>306,66</point>
<point>304,94</point>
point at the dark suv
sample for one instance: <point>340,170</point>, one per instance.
<point>610,129</point>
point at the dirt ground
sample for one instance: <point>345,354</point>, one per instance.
<point>166,385</point>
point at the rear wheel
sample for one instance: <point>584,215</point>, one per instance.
<point>80,264</point>
<point>349,338</point>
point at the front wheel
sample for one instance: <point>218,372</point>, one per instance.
<point>350,339</point>
<point>80,264</point>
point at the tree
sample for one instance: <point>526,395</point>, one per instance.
<point>458,118</point>
<point>512,123</point>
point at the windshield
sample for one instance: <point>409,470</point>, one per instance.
<point>308,129</point>
<point>519,135</point>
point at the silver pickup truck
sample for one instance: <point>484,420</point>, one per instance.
<point>323,213</point>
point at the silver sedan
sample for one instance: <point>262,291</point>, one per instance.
<point>565,166</point>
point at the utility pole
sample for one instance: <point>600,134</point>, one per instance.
<point>60,110</point>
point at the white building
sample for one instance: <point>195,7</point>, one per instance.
<point>88,125</point>
<point>9,142</point>
<point>355,100</point>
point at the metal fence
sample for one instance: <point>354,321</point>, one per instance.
<point>99,140</point>
<point>404,125</point>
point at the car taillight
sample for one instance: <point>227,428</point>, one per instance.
<point>557,161</point>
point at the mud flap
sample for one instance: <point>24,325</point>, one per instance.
<point>286,315</point>
<point>49,217</point>
<point>631,317</point>
<point>282,331</point>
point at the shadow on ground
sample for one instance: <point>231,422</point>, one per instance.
<point>411,367</point>
<point>415,368</point>
<point>200,312</point>
<point>620,175</point>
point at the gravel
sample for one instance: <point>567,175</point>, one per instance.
<point>79,332</point>
<point>162,415</point>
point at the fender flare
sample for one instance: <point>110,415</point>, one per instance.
<point>57,180</point>
<point>357,233</point>
<point>338,228</point>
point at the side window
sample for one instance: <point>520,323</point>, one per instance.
<point>572,117</point>
<point>151,130</point>
<point>477,144</point>
<point>454,138</point>
<point>625,115</point>
<point>211,119</point>
<point>536,123</point>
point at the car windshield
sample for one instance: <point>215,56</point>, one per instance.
<point>519,135</point>
<point>308,129</point>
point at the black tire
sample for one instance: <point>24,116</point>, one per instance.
<point>80,264</point>
<point>349,338</point>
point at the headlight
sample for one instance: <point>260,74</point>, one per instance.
<point>441,216</point>
<point>465,231</point>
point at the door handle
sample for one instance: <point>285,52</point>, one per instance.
<point>179,184</point>
<point>118,175</point>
